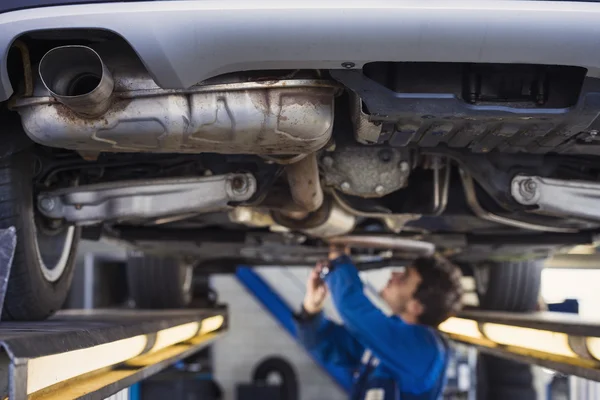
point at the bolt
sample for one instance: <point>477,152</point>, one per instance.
<point>328,161</point>
<point>239,185</point>
<point>529,185</point>
<point>345,186</point>
<point>348,65</point>
<point>404,167</point>
<point>527,189</point>
<point>379,189</point>
<point>47,204</point>
<point>385,155</point>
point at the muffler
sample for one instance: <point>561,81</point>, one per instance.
<point>79,105</point>
<point>78,78</point>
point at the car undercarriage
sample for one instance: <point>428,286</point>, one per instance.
<point>478,161</point>
<point>418,149</point>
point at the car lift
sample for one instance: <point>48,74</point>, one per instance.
<point>559,341</point>
<point>93,354</point>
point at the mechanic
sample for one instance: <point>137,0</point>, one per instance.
<point>398,357</point>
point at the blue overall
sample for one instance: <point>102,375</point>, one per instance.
<point>393,360</point>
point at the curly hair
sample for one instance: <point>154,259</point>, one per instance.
<point>440,291</point>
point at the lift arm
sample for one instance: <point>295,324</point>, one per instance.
<point>563,342</point>
<point>96,353</point>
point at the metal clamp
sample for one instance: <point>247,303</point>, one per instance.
<point>149,199</point>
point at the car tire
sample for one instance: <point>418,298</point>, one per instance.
<point>43,263</point>
<point>504,372</point>
<point>495,382</point>
<point>513,393</point>
<point>508,286</point>
<point>157,282</point>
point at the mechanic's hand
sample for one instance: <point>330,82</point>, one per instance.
<point>316,290</point>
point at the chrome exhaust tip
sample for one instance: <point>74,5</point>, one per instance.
<point>78,78</point>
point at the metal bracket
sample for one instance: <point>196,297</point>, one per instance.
<point>149,199</point>
<point>558,197</point>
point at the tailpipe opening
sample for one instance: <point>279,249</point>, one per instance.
<point>78,78</point>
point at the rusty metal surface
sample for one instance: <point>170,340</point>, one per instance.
<point>64,68</point>
<point>329,220</point>
<point>365,131</point>
<point>338,222</point>
<point>305,184</point>
<point>271,117</point>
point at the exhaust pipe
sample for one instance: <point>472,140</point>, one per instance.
<point>387,242</point>
<point>305,186</point>
<point>77,77</point>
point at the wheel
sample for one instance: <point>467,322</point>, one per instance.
<point>42,267</point>
<point>159,282</point>
<point>508,286</point>
<point>514,393</point>
<point>502,372</point>
<point>499,379</point>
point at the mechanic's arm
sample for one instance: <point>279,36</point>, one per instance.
<point>409,351</point>
<point>330,340</point>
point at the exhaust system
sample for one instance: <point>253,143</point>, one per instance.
<point>387,242</point>
<point>305,184</point>
<point>78,78</point>
<point>112,104</point>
